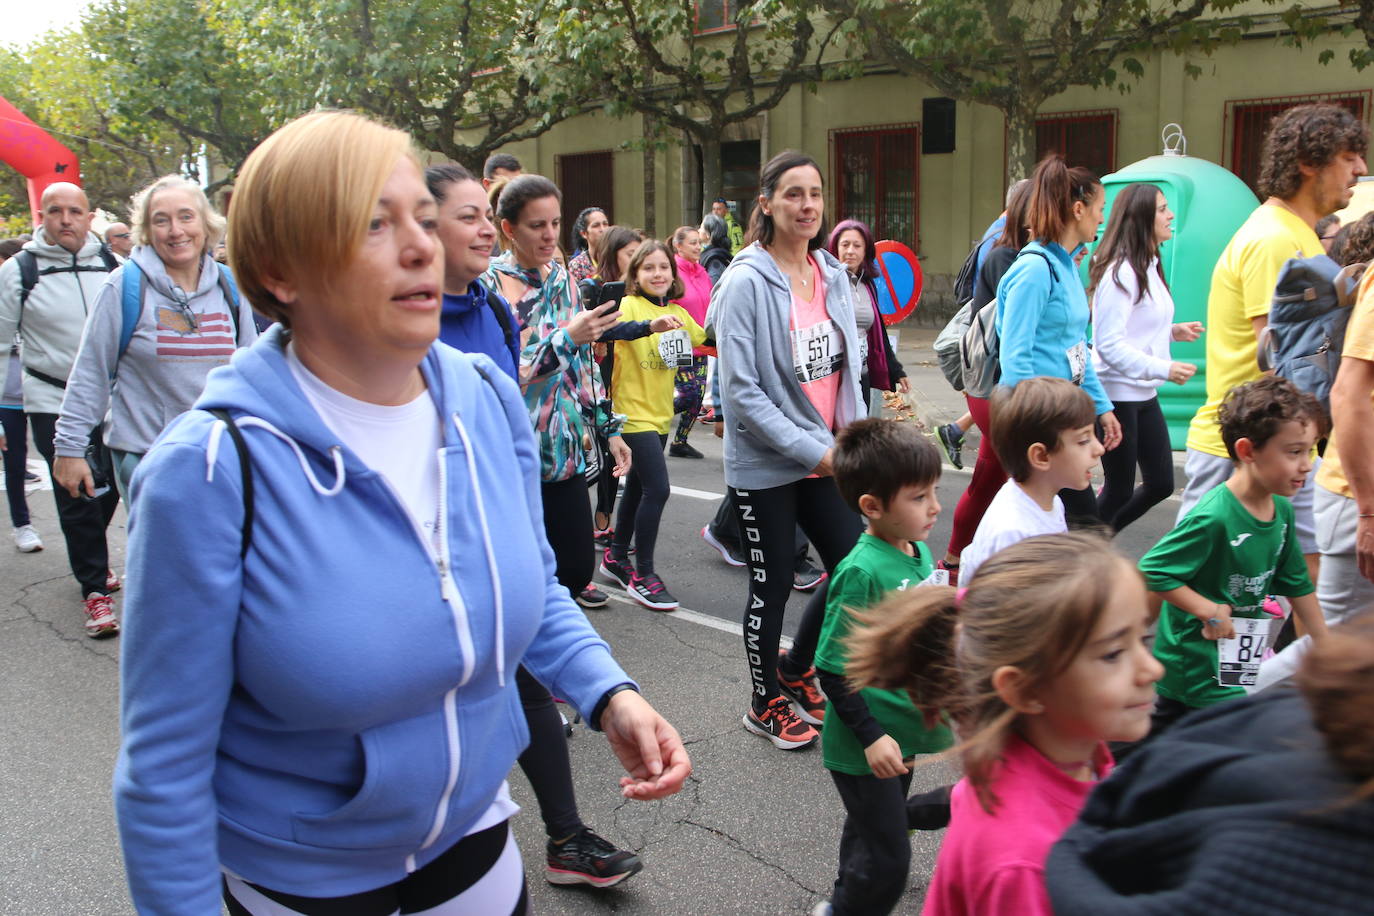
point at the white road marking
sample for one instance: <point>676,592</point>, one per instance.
<point>687,614</point>
<point>697,494</point>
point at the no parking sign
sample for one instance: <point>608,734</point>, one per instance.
<point>899,281</point>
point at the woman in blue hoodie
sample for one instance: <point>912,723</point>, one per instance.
<point>317,679</point>
<point>1042,308</point>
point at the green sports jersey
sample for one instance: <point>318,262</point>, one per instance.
<point>1228,556</point>
<point>871,570</point>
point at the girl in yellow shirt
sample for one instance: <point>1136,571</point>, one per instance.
<point>642,389</point>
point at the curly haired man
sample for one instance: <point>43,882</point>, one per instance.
<point>1311,160</point>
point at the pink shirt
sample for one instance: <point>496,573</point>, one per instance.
<point>697,297</point>
<point>817,348</point>
<point>996,863</point>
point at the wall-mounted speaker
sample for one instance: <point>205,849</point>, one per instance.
<point>937,126</point>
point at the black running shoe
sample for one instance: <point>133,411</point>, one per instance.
<point>684,450</point>
<point>806,577</point>
<point>730,553</point>
<point>952,441</point>
<point>591,597</point>
<point>928,810</point>
<point>652,593</point>
<point>619,571</point>
<point>585,858</point>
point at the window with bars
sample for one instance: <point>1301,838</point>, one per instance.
<point>586,180</point>
<point>877,180</point>
<point>1085,138</point>
<point>1248,121</point>
<point>715,14</point>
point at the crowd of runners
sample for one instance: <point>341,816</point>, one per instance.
<point>379,448</point>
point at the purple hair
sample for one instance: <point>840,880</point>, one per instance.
<point>868,270</point>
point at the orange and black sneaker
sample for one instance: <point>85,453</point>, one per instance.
<point>804,692</point>
<point>779,724</point>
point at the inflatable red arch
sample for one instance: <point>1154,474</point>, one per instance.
<point>35,154</point>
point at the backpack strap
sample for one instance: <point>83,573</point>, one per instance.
<point>503,316</point>
<point>108,256</point>
<point>1054,277</point>
<point>130,305</point>
<point>28,278</point>
<point>245,473</point>
<point>230,291</point>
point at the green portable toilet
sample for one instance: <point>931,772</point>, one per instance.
<point>1209,205</point>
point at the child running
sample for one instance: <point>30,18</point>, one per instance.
<point>1237,546</point>
<point>1042,432</point>
<point>642,389</point>
<point>1039,662</point>
<point>887,471</point>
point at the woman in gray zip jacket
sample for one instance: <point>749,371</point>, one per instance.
<point>783,319</point>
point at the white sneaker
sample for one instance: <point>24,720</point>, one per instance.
<point>26,539</point>
<point>100,617</point>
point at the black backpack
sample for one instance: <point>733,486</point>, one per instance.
<point>967,277</point>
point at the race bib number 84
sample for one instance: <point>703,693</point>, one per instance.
<point>1238,660</point>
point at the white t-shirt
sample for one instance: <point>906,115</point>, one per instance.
<point>1012,516</point>
<point>401,443</point>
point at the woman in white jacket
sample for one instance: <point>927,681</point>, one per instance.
<point>1133,323</point>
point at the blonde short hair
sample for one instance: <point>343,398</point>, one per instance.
<point>141,212</point>
<point>304,198</point>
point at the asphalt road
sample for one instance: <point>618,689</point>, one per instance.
<point>755,831</point>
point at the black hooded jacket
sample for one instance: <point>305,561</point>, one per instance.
<point>1238,809</point>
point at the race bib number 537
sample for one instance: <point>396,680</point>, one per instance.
<point>817,351</point>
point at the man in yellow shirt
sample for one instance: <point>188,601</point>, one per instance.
<point>1344,501</point>
<point>1312,157</point>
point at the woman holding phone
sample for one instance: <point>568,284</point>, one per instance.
<point>562,388</point>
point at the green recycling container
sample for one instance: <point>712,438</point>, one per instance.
<point>1209,205</point>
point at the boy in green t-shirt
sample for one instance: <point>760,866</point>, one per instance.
<point>888,472</point>
<point>1237,546</point>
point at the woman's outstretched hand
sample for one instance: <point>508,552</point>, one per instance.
<point>648,747</point>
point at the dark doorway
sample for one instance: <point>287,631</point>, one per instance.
<point>586,180</point>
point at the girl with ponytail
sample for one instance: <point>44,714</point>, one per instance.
<point>1042,309</point>
<point>1039,662</point>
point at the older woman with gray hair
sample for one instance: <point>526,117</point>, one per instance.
<point>160,323</point>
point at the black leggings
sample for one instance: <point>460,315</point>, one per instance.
<point>83,521</point>
<point>768,520</point>
<point>1144,441</point>
<point>875,851</point>
<point>646,493</point>
<point>16,457</point>
<point>568,526</point>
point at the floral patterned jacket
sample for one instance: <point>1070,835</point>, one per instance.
<point>559,378</point>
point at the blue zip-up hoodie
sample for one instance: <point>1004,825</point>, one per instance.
<point>468,323</point>
<point>335,710</point>
<point>1039,321</point>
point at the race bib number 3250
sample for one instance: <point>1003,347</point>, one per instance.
<point>817,351</point>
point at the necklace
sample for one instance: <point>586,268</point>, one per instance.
<point>805,274</point>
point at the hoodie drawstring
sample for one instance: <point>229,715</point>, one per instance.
<point>219,429</point>
<point>492,568</point>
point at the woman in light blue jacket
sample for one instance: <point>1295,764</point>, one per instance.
<point>1042,308</point>
<point>337,562</point>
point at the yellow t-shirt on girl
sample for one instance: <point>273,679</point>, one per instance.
<point>642,381</point>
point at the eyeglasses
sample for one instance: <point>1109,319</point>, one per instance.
<point>121,235</point>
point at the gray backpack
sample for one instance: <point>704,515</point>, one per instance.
<point>1307,319</point>
<point>980,346</point>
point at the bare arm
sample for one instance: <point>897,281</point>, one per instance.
<point>1190,602</point>
<point>1353,414</point>
<point>1309,614</point>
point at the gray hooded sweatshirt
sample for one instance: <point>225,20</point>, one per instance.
<point>773,434</point>
<point>52,317</point>
<point>159,377</point>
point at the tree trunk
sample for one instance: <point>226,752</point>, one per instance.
<point>712,178</point>
<point>1020,141</point>
<point>650,179</point>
